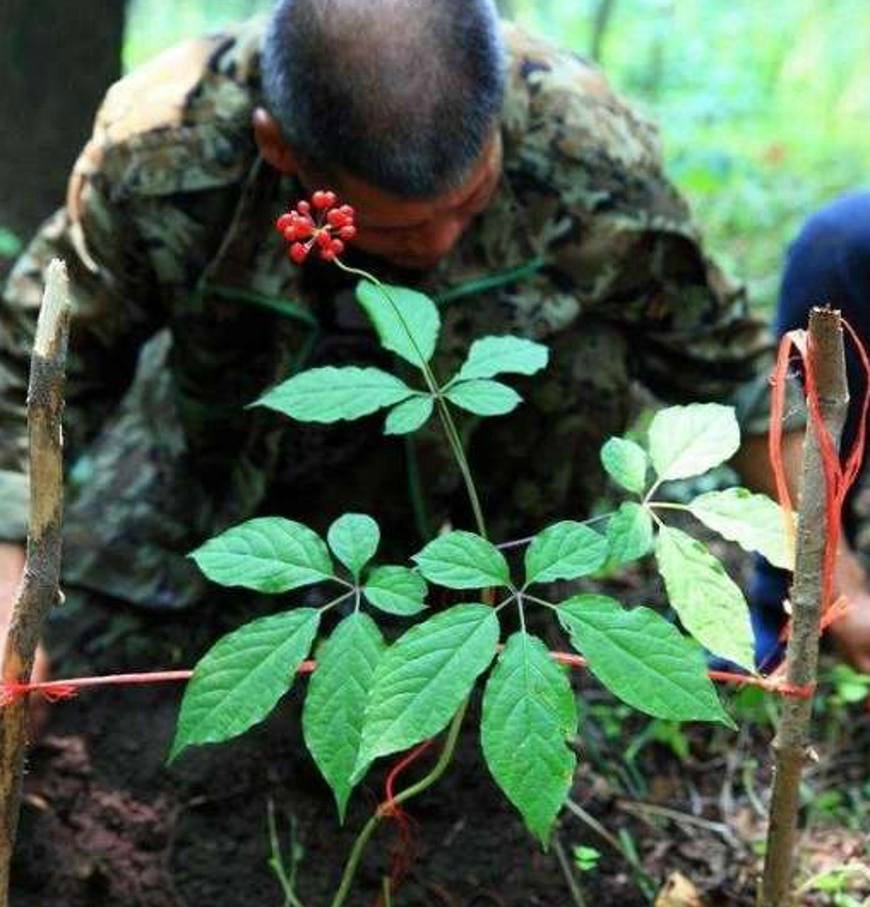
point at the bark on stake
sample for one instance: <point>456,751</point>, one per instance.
<point>39,590</point>
<point>826,359</point>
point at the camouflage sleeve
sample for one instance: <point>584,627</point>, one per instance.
<point>113,314</point>
<point>627,247</point>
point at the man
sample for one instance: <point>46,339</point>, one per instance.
<point>470,153</point>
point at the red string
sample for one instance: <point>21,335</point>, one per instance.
<point>838,478</point>
<point>403,852</point>
<point>63,689</point>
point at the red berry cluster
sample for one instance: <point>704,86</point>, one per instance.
<point>326,230</point>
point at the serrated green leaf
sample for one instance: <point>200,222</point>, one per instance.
<point>332,718</point>
<point>354,539</point>
<point>331,394</point>
<point>710,604</point>
<point>423,678</point>
<point>418,318</point>
<point>484,397</point>
<point>629,533</point>
<point>268,554</point>
<point>409,416</point>
<point>492,356</point>
<point>626,463</point>
<point>688,440</point>
<point>239,680</point>
<point>396,590</point>
<point>643,659</point>
<point>565,550</point>
<point>529,712</point>
<point>754,521</point>
<point>463,560</point>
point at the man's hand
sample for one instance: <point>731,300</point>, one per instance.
<point>11,573</point>
<point>851,632</point>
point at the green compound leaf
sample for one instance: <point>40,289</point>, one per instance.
<point>409,416</point>
<point>423,678</point>
<point>268,554</point>
<point>239,680</point>
<point>643,659</point>
<point>754,521</point>
<point>331,394</point>
<point>463,560</point>
<point>492,356</point>
<point>529,712</point>
<point>354,538</point>
<point>630,533</point>
<point>419,316</point>
<point>685,441</point>
<point>710,605</point>
<point>626,463</point>
<point>337,694</point>
<point>565,550</point>
<point>483,397</point>
<point>396,590</point>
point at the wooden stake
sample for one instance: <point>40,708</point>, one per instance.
<point>825,349</point>
<point>39,591</point>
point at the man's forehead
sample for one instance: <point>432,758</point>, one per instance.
<point>377,209</point>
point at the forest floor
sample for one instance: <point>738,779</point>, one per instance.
<point>675,814</point>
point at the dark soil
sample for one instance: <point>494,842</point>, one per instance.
<point>106,823</point>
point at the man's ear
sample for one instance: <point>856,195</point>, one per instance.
<point>273,148</point>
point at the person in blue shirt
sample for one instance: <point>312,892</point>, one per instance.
<point>829,264</point>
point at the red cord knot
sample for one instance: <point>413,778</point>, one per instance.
<point>319,224</point>
<point>12,692</point>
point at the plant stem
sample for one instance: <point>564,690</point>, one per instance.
<point>39,591</point>
<point>444,413</point>
<point>275,861</point>
<point>827,363</point>
<point>417,788</point>
<point>568,871</point>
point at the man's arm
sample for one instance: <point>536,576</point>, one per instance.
<point>114,312</point>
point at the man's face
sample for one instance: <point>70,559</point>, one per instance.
<point>417,234</point>
<point>413,234</point>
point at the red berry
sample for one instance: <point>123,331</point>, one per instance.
<point>319,199</point>
<point>327,254</point>
<point>336,218</point>
<point>337,246</point>
<point>303,207</point>
<point>284,222</point>
<point>298,252</point>
<point>347,232</point>
<point>291,233</point>
<point>323,239</point>
<point>304,228</point>
<point>348,212</point>
<point>330,198</point>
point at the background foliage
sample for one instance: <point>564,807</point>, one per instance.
<point>763,108</point>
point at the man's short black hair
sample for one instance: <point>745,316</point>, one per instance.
<point>400,93</point>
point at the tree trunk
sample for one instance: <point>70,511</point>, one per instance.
<point>57,59</point>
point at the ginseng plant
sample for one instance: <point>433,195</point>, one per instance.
<point>368,698</point>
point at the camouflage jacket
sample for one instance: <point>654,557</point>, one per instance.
<point>186,310</point>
